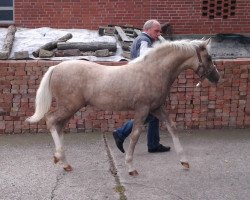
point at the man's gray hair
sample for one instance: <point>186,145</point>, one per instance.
<point>148,24</point>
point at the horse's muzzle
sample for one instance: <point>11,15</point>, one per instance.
<point>213,76</point>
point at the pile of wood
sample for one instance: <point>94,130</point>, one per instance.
<point>61,48</point>
<point>58,48</point>
<point>125,35</point>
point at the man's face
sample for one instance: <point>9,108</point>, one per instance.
<point>155,31</point>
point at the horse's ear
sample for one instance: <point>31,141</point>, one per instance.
<point>204,38</point>
<point>207,41</point>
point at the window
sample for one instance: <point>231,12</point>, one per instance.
<point>6,11</point>
<point>218,8</point>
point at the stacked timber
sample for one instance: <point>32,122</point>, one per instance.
<point>62,48</point>
<point>43,51</point>
<point>8,43</point>
<point>125,35</point>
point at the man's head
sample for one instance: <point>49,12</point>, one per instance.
<point>153,28</point>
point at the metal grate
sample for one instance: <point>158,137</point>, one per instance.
<point>218,8</point>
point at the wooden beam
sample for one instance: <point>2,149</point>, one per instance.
<point>8,43</point>
<point>122,34</point>
<point>137,32</point>
<point>87,46</point>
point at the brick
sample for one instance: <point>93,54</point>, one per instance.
<point>207,107</point>
<point>128,14</point>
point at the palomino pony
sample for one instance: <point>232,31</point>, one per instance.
<point>141,86</point>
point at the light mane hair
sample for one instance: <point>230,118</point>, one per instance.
<point>178,45</point>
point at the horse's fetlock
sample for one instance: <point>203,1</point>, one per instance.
<point>58,155</point>
<point>128,159</point>
<point>56,159</point>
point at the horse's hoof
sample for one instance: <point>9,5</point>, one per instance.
<point>133,173</point>
<point>56,160</point>
<point>68,168</point>
<point>185,165</point>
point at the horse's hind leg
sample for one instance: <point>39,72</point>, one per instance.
<point>170,126</point>
<point>130,152</point>
<point>59,155</point>
<point>140,117</point>
<point>55,125</point>
<point>177,145</point>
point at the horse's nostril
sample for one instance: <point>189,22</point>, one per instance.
<point>214,76</point>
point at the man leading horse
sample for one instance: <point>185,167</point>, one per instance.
<point>143,43</point>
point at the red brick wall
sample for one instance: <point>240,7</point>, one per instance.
<point>210,106</point>
<point>185,16</point>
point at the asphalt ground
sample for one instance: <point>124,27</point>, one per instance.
<point>219,170</point>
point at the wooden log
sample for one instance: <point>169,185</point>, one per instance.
<point>102,53</point>
<point>87,46</point>
<point>8,43</point>
<point>67,52</point>
<point>106,30</point>
<point>126,54</point>
<point>137,32</point>
<point>126,46</point>
<point>4,55</point>
<point>45,53</point>
<point>20,55</point>
<point>52,45</point>
<point>122,34</point>
<point>88,53</point>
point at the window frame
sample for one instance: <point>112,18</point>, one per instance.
<point>8,8</point>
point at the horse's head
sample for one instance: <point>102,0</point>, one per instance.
<point>206,67</point>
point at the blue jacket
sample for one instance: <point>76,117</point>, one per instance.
<point>135,48</point>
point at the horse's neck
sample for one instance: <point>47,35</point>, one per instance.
<point>171,64</point>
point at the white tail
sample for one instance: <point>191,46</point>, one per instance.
<point>43,98</point>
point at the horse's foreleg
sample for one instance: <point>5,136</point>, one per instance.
<point>59,154</point>
<point>130,152</point>
<point>171,127</point>
<point>177,145</point>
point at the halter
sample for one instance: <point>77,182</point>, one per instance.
<point>205,72</point>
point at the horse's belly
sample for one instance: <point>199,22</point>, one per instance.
<point>111,104</point>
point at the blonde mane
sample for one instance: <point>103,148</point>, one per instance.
<point>178,45</point>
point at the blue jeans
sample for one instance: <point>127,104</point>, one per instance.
<point>153,131</point>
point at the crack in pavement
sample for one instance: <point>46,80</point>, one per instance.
<point>120,189</point>
<point>58,179</point>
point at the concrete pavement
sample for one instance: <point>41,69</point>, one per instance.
<point>219,162</point>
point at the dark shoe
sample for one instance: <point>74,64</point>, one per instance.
<point>118,142</point>
<point>160,148</point>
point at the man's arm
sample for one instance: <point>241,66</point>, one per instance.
<point>144,48</point>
